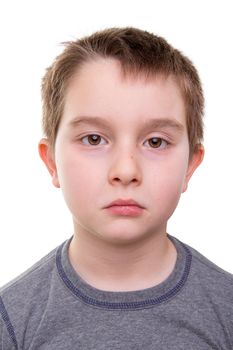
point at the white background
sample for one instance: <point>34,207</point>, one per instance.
<point>34,218</point>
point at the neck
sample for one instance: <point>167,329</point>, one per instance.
<point>122,267</point>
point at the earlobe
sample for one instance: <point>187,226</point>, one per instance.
<point>194,162</point>
<point>47,155</point>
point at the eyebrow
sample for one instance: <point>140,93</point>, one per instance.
<point>151,123</point>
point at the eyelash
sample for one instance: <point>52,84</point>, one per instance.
<point>162,141</point>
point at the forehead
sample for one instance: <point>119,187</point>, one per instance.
<point>100,89</point>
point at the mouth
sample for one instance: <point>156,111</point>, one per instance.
<point>125,202</point>
<point>125,207</point>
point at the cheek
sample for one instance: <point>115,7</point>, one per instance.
<point>79,180</point>
<point>168,180</point>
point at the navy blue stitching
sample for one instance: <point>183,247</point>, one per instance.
<point>8,323</point>
<point>130,305</point>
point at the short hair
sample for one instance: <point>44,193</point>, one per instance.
<point>139,53</point>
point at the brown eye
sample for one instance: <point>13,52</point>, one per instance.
<point>155,142</point>
<point>94,139</point>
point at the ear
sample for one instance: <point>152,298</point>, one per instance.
<point>194,162</point>
<point>47,155</point>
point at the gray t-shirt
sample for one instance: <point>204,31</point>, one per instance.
<point>50,307</point>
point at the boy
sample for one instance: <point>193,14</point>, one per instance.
<point>122,116</point>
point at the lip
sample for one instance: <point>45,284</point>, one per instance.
<point>125,202</point>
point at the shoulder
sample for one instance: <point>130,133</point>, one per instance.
<point>211,280</point>
<point>31,277</point>
<point>25,297</point>
<point>28,286</point>
<point>208,297</point>
<point>209,267</point>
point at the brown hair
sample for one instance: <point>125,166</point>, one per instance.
<point>139,52</point>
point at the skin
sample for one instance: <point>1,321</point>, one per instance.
<point>115,252</point>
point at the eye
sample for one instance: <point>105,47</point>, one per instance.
<point>93,139</point>
<point>158,142</point>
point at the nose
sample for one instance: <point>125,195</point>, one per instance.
<point>125,169</point>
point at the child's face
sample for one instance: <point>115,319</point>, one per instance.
<point>127,160</point>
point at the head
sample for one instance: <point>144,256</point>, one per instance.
<point>140,54</point>
<point>127,77</point>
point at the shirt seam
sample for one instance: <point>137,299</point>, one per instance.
<point>125,305</point>
<point>8,324</point>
